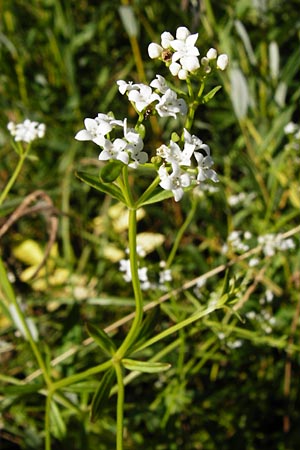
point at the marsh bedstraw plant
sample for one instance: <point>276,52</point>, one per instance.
<point>183,163</point>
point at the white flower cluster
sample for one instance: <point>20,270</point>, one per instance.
<point>180,164</point>
<point>142,96</point>
<point>181,160</point>
<point>181,54</point>
<point>236,241</point>
<point>26,131</point>
<point>272,242</point>
<point>164,275</point>
<point>127,149</point>
<point>292,130</point>
<point>240,242</point>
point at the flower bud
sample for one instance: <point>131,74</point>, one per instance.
<point>222,61</point>
<point>212,53</point>
<point>154,50</point>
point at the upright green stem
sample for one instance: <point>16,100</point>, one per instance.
<point>32,343</point>
<point>120,406</point>
<point>14,176</point>
<point>128,341</point>
<point>47,422</point>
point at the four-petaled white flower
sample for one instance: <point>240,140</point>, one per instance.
<point>194,140</point>
<point>185,51</point>
<point>170,105</point>
<point>160,84</point>
<point>204,168</point>
<point>174,155</point>
<point>135,146</point>
<point>126,87</point>
<point>175,181</point>
<point>26,131</point>
<point>142,96</point>
<point>97,128</point>
<point>114,150</point>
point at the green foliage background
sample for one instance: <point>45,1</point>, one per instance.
<point>59,63</point>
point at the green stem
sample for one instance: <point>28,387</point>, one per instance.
<point>128,341</point>
<point>120,406</point>
<point>81,376</point>
<point>14,176</point>
<point>47,423</point>
<point>181,232</point>
<point>145,195</point>
<point>184,323</point>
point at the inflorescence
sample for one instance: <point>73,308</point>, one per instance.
<point>185,161</point>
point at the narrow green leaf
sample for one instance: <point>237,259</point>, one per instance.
<point>146,328</point>
<point>129,20</point>
<point>111,171</point>
<point>21,389</point>
<point>94,182</point>
<point>102,394</point>
<point>158,195</point>
<point>145,366</point>
<point>226,287</point>
<point>102,339</point>
<point>58,426</point>
<point>207,97</point>
<point>5,285</point>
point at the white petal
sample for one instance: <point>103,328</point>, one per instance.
<point>182,33</point>
<point>83,135</point>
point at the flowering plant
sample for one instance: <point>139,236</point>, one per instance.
<point>179,165</point>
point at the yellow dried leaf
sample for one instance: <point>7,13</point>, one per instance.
<point>29,252</point>
<point>150,241</point>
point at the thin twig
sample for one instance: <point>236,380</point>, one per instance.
<point>44,205</point>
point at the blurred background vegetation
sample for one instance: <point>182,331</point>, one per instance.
<point>234,383</point>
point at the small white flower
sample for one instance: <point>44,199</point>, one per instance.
<point>204,168</point>
<point>124,266</point>
<point>134,146</point>
<point>175,181</point>
<point>253,262</point>
<point>170,105</point>
<point>185,51</point>
<point>160,84</point>
<point>126,87</point>
<point>142,97</point>
<point>222,61</point>
<point>26,131</point>
<point>194,140</point>
<point>291,128</point>
<point>96,129</point>
<point>114,150</point>
<point>165,276</point>
<point>174,155</point>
